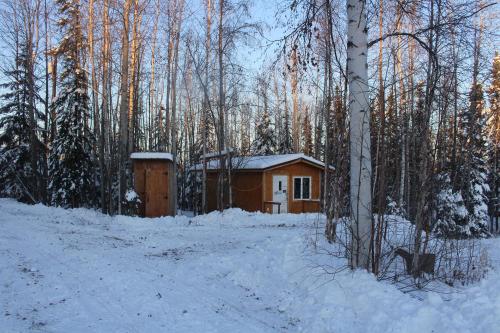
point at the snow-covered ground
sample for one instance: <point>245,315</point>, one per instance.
<point>81,271</point>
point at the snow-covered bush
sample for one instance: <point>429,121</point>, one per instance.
<point>451,214</point>
<point>131,203</point>
<point>394,208</point>
<point>452,218</point>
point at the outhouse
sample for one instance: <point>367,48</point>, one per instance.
<point>153,174</point>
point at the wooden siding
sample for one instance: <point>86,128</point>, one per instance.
<point>297,169</point>
<point>153,183</point>
<point>247,191</point>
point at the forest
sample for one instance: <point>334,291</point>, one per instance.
<point>401,97</point>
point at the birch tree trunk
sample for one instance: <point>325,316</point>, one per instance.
<point>360,187</point>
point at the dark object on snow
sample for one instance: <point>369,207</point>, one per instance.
<point>426,262</point>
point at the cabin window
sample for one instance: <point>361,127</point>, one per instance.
<point>297,188</point>
<point>306,188</point>
<point>301,188</point>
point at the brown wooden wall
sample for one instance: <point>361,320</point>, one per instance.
<point>298,169</point>
<point>212,191</point>
<point>247,190</point>
<point>153,183</point>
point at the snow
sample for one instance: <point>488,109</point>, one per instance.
<point>151,156</point>
<point>80,271</point>
<point>216,154</point>
<point>260,162</point>
<point>131,195</point>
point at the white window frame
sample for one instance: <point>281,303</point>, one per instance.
<point>302,188</point>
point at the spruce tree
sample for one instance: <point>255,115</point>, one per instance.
<point>265,140</point>
<point>71,168</point>
<point>451,214</point>
<point>393,148</point>
<point>285,139</point>
<point>473,173</point>
<point>308,146</point>
<point>494,142</point>
<point>17,177</point>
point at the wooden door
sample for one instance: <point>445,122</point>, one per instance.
<point>157,202</point>
<point>280,193</point>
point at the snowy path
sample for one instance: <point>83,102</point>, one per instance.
<point>80,271</point>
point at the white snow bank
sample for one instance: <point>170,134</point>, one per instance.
<point>151,156</point>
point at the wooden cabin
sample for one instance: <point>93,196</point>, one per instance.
<point>153,174</point>
<point>289,183</point>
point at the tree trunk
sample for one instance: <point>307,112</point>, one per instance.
<point>103,153</point>
<point>46,136</point>
<point>360,158</point>
<point>133,83</point>
<point>422,212</point>
<point>295,104</point>
<point>205,106</point>
<point>381,158</point>
<point>173,123</point>
<point>221,136</point>
<point>124,105</point>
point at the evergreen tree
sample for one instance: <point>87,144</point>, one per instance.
<point>265,141</point>
<point>451,214</point>
<point>393,148</point>
<point>71,167</point>
<point>494,141</point>
<point>417,128</point>
<point>473,173</point>
<point>17,177</point>
<point>308,146</point>
<point>285,139</point>
<point>245,143</point>
<point>319,146</point>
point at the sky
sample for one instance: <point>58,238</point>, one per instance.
<point>261,51</point>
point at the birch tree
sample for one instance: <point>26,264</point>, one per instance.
<point>360,158</point>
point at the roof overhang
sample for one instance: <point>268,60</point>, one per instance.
<point>236,168</point>
<point>298,160</point>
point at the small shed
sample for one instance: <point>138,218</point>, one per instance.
<point>289,183</point>
<point>153,173</point>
